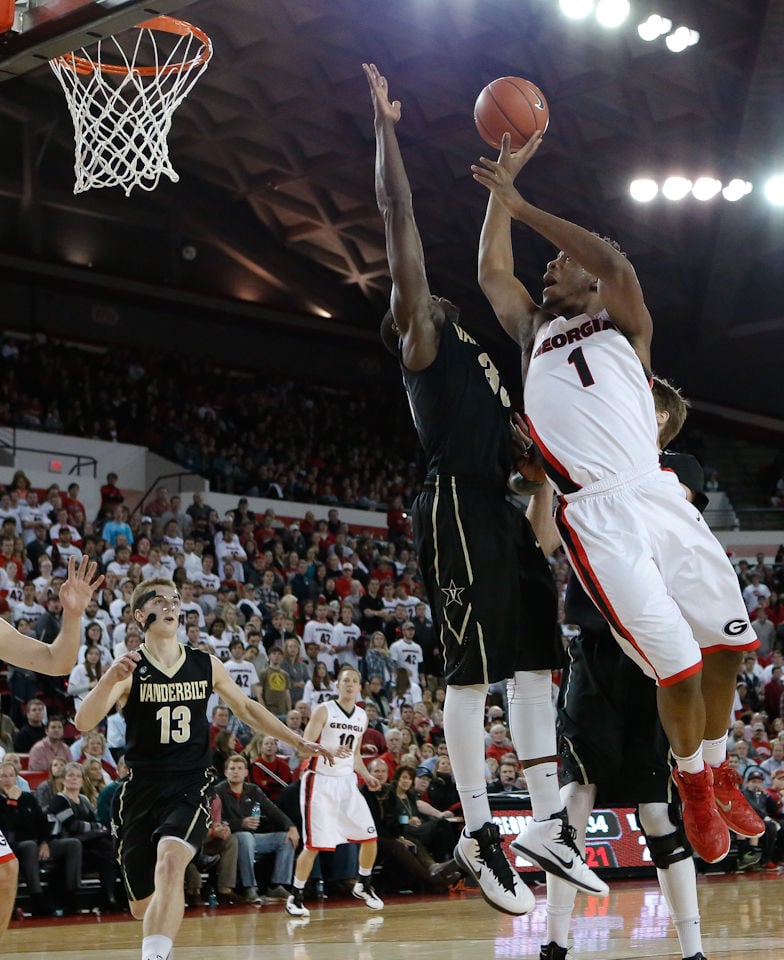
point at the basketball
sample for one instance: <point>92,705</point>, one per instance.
<point>510,105</point>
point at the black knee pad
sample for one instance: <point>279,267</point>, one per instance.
<point>669,849</point>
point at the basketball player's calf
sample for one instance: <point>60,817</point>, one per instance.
<point>549,840</point>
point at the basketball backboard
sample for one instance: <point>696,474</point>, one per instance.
<point>44,29</point>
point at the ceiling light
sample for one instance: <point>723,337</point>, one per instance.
<point>680,39</point>
<point>676,188</point>
<point>654,27</point>
<point>774,190</point>
<point>576,9</point>
<point>705,188</point>
<point>643,191</point>
<point>612,13</point>
<point>736,189</point>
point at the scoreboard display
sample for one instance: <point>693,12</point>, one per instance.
<point>614,841</point>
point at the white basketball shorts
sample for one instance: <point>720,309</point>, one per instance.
<point>650,563</point>
<point>333,812</point>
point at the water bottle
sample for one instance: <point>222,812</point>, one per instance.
<point>212,900</point>
<point>320,895</point>
<point>256,811</point>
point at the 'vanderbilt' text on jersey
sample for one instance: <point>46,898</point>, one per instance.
<point>589,403</point>
<point>461,410</point>
<point>167,729</point>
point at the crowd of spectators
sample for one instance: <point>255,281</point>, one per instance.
<point>247,433</point>
<point>283,605</point>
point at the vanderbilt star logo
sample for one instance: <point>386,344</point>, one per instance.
<point>452,594</point>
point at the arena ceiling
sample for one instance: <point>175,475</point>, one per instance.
<point>275,151</point>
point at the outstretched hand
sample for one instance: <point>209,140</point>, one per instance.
<point>384,108</point>
<point>77,590</point>
<point>310,749</point>
<point>499,175</point>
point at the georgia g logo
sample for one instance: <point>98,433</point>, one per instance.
<point>734,628</point>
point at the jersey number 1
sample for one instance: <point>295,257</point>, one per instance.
<point>577,359</point>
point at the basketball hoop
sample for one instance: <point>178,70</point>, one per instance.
<point>122,111</point>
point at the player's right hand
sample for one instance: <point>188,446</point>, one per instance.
<point>124,666</point>
<point>385,110</point>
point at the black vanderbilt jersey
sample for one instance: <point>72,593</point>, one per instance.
<point>167,729</point>
<point>461,410</point>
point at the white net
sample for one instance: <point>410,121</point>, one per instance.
<point>122,98</point>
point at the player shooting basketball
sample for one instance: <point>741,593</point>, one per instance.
<point>488,583</point>
<point>641,551</point>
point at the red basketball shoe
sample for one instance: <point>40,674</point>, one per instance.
<point>707,832</point>
<point>734,809</point>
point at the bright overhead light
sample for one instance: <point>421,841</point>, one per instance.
<point>774,190</point>
<point>676,188</point>
<point>654,27</point>
<point>576,9</point>
<point>736,189</point>
<point>612,13</point>
<point>681,38</point>
<point>643,191</point>
<point>705,188</point>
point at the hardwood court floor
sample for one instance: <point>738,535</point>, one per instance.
<point>743,917</point>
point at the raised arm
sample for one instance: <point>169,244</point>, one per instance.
<point>511,302</point>
<point>410,291</point>
<point>56,658</point>
<point>618,287</point>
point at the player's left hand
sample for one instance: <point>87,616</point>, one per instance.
<point>514,162</point>
<point>373,782</point>
<point>498,175</point>
<point>77,590</point>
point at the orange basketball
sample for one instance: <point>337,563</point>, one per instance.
<point>510,105</point>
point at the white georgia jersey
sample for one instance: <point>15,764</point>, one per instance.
<point>588,403</point>
<point>341,730</point>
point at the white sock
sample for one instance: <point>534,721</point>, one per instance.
<point>715,753</point>
<point>560,904</point>
<point>693,764</point>
<point>680,891</point>
<point>532,725</point>
<point>464,717</point>
<point>678,882</point>
<point>542,780</point>
<point>156,947</point>
<point>299,885</point>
